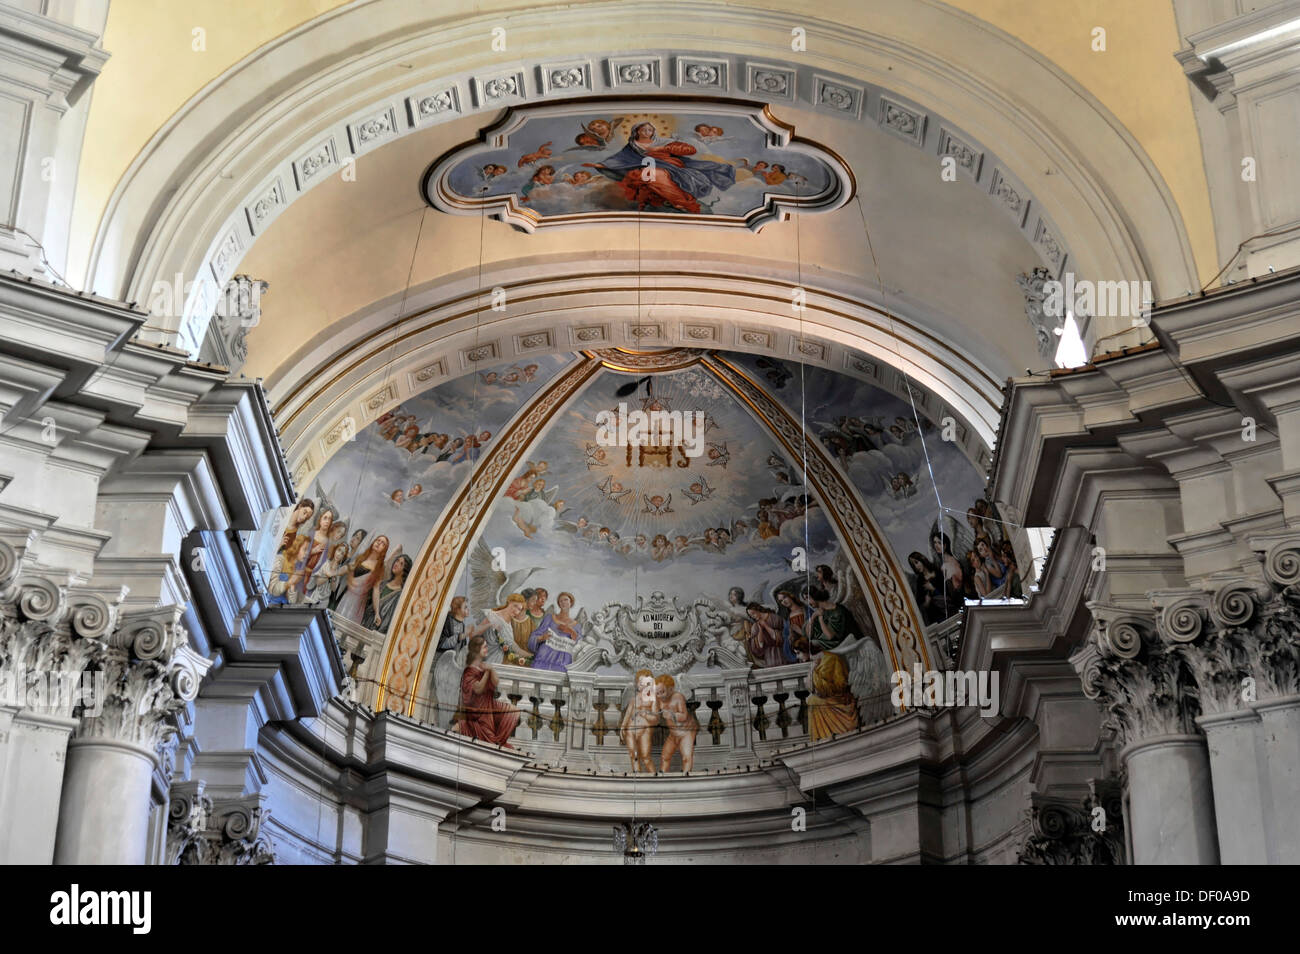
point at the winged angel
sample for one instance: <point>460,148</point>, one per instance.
<point>490,585</point>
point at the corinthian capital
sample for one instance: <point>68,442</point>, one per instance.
<point>150,674</point>
<point>206,831</point>
<point>1133,674</point>
<point>1069,832</point>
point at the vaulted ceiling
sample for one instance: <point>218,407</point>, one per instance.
<point>205,128</point>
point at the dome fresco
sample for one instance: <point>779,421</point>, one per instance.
<point>379,495</point>
<point>719,516</point>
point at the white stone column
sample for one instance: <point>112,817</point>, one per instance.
<point>152,674</point>
<point>1279,753</point>
<point>1171,805</point>
<point>104,814</point>
<point>32,748</point>
<point>1141,682</point>
<point>1234,761</point>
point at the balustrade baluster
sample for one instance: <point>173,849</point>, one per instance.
<point>783,719</point>
<point>802,695</point>
<point>716,726</point>
<point>514,698</point>
<point>535,717</point>
<point>761,722</point>
<point>600,727</point>
<point>557,719</point>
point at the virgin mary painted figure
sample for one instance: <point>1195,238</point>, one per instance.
<point>672,179</point>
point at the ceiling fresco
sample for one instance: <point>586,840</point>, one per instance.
<point>349,542</point>
<point>912,476</point>
<point>612,545</point>
<point>723,164</point>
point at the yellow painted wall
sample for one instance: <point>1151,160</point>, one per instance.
<point>154,70</point>
<point>1136,78</point>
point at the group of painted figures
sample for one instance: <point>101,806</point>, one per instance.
<point>524,631</point>
<point>987,567</point>
<point>314,565</point>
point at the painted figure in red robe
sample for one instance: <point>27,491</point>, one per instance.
<point>485,717</point>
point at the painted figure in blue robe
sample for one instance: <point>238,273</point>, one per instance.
<point>553,642</point>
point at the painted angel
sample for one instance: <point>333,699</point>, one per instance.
<point>657,505</point>
<point>699,491</point>
<point>611,489</point>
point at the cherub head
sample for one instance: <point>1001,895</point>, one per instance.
<point>645,684</point>
<point>664,687</point>
<point>397,496</point>
<point>697,488</point>
<point>599,127</point>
